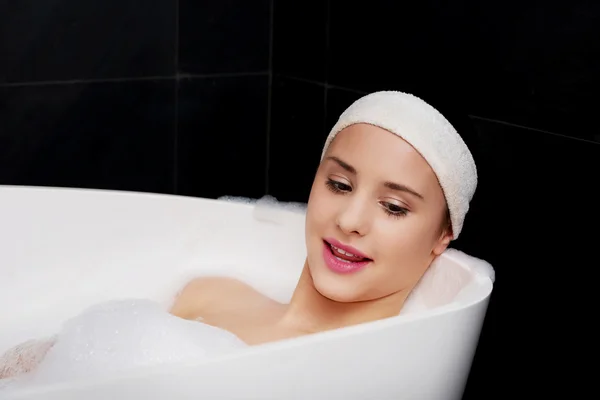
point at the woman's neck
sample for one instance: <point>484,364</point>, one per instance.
<point>310,312</point>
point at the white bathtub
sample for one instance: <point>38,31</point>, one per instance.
<point>62,250</point>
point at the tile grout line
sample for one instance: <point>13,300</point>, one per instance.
<point>325,95</point>
<point>132,79</point>
<point>269,97</point>
<point>176,106</point>
<point>326,85</point>
<point>223,75</point>
<point>80,81</point>
<point>531,129</point>
<point>326,62</point>
<point>327,39</point>
<point>329,86</point>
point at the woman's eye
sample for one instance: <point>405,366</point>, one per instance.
<point>336,186</point>
<point>394,210</point>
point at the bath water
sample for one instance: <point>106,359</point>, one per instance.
<point>121,334</point>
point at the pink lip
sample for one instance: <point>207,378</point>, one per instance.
<point>339,266</point>
<point>346,248</point>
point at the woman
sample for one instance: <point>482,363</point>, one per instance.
<point>391,192</point>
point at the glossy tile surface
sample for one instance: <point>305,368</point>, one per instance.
<point>529,64</point>
<point>297,136</point>
<point>300,39</point>
<point>74,40</point>
<point>222,136</point>
<point>230,36</point>
<point>105,136</point>
<point>531,217</point>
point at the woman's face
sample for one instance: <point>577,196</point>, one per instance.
<point>376,198</point>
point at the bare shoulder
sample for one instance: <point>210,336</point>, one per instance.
<point>212,295</point>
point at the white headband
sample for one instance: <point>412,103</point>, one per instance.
<point>428,131</point>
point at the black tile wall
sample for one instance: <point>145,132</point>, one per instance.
<point>300,38</point>
<point>297,136</point>
<point>531,64</point>
<point>72,39</point>
<point>228,36</point>
<point>91,94</point>
<point>534,202</point>
<point>115,135</point>
<point>536,181</point>
<point>222,136</point>
<point>409,46</point>
<point>537,65</point>
<point>337,101</point>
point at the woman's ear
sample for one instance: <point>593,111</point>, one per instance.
<point>442,242</point>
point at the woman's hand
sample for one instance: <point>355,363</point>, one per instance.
<point>24,357</point>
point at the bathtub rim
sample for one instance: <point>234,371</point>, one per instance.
<point>123,193</point>
<point>251,351</point>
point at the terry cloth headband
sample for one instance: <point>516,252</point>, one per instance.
<point>428,131</point>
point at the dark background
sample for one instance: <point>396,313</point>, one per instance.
<point>212,98</point>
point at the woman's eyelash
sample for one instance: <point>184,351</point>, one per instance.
<point>390,209</point>
<point>394,210</point>
<point>337,187</point>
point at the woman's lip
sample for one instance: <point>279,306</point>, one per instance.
<point>346,248</point>
<point>340,266</point>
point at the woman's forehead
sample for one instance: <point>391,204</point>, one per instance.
<point>373,151</point>
<point>367,143</point>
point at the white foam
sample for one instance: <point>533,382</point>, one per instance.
<point>115,336</point>
<point>268,208</point>
<point>238,199</point>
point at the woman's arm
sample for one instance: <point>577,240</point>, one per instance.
<point>24,357</point>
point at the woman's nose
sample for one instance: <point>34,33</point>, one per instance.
<point>354,217</point>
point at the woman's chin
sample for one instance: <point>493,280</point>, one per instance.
<point>336,289</point>
<point>339,296</point>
